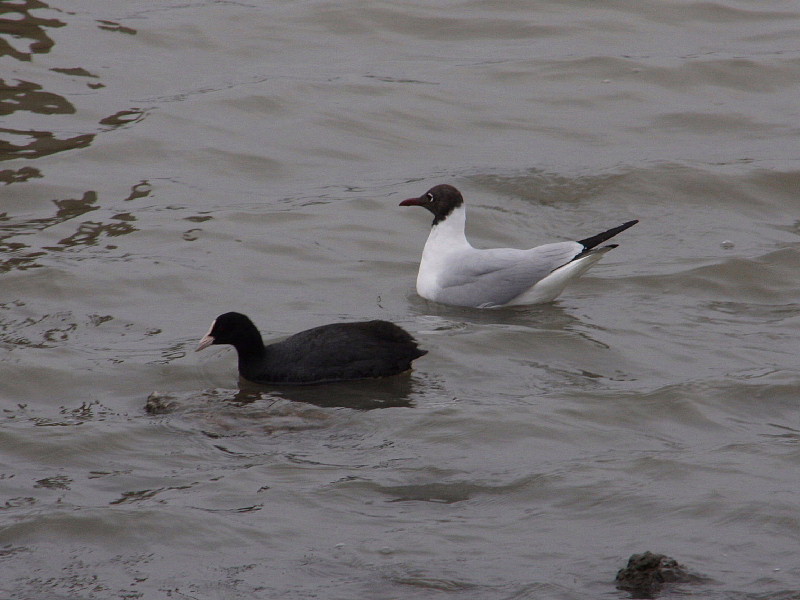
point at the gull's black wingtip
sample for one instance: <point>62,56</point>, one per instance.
<point>595,240</point>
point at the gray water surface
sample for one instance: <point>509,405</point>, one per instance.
<point>164,162</point>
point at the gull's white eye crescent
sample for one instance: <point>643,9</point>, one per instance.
<point>430,197</point>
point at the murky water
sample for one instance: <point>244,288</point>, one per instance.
<point>164,162</point>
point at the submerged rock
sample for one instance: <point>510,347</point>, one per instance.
<point>159,404</point>
<point>647,573</point>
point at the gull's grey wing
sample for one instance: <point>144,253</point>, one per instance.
<point>497,276</point>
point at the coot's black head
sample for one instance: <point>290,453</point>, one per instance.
<point>441,200</point>
<point>231,328</point>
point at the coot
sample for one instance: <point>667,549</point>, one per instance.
<point>336,352</point>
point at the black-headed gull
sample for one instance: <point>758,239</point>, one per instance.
<point>453,272</point>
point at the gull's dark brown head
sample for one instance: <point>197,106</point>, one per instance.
<point>441,200</point>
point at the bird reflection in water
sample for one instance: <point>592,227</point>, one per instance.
<point>366,394</point>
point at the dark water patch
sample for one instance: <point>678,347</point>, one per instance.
<point>91,233</point>
<point>9,176</point>
<point>198,219</point>
<point>114,26</point>
<point>448,492</point>
<point>133,497</point>
<point>56,482</point>
<point>14,503</point>
<point>394,80</point>
<point>28,96</point>
<point>38,140</point>
<point>9,550</point>
<point>240,510</point>
<point>141,190</point>
<point>81,574</point>
<point>51,330</point>
<point>26,28</point>
<point>124,117</point>
<point>74,71</point>
<point>42,143</point>
<point>75,416</point>
<point>21,255</point>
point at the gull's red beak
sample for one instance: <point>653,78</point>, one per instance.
<point>412,202</point>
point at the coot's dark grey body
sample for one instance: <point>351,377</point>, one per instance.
<point>337,352</point>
